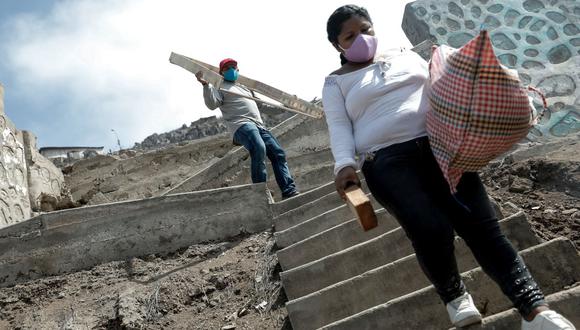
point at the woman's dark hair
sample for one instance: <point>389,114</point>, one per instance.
<point>340,15</point>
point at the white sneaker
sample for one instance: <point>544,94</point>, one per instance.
<point>462,311</point>
<point>548,320</point>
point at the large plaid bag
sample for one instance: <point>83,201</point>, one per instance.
<point>479,108</point>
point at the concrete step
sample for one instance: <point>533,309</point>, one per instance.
<point>565,302</point>
<point>315,177</point>
<point>380,251</point>
<point>300,165</point>
<point>332,240</point>
<point>310,209</point>
<point>315,225</point>
<point>304,197</point>
<point>381,284</point>
<point>328,219</point>
<point>555,265</point>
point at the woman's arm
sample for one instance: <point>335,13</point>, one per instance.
<point>341,136</point>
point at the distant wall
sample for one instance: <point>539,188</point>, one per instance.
<point>14,200</point>
<point>24,173</point>
<point>540,39</point>
<point>43,176</point>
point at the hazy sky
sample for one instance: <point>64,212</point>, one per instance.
<point>73,70</point>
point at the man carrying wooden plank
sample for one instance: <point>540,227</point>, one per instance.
<point>246,125</point>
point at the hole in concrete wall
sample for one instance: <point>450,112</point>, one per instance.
<point>501,41</point>
<point>432,6</point>
<point>517,36</point>
<point>459,39</point>
<point>570,124</point>
<point>538,25</point>
<point>531,52</point>
<point>453,25</point>
<point>571,29</point>
<point>441,31</point>
<point>495,8</point>
<point>525,78</point>
<point>436,18</point>
<point>557,85</point>
<point>483,1</point>
<point>3,177</point>
<point>575,42</point>
<point>510,17</point>
<point>492,22</point>
<point>508,60</point>
<point>552,34</point>
<point>555,16</point>
<point>469,24</point>
<point>532,40</point>
<point>559,54</point>
<point>421,11</point>
<point>18,212</point>
<point>533,6</point>
<point>464,2</point>
<point>455,9</point>
<point>524,21</point>
<point>577,11</point>
<point>533,65</point>
<point>475,11</point>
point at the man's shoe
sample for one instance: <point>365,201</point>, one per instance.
<point>548,320</point>
<point>462,311</point>
<point>292,194</point>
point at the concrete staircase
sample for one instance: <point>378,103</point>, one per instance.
<point>336,276</point>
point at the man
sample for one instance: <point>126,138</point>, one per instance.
<point>246,125</point>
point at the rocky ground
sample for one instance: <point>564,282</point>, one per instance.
<point>137,174</point>
<point>227,285</point>
<point>546,187</point>
<point>235,284</point>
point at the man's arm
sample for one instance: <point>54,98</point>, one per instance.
<point>211,96</point>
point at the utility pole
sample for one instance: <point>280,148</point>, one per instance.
<point>118,141</point>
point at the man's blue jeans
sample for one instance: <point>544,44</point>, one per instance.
<point>261,143</point>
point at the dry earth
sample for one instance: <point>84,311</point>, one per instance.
<point>235,284</point>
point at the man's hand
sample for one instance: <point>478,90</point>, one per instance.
<point>345,178</point>
<point>199,77</point>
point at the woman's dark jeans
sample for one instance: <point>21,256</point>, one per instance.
<point>405,178</point>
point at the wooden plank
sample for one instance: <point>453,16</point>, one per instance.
<point>263,101</point>
<point>361,206</point>
<point>291,101</point>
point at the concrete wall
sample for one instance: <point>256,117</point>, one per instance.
<point>43,176</point>
<point>24,173</point>
<point>539,38</point>
<point>14,200</point>
<point>70,240</point>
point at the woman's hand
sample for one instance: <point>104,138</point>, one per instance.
<point>345,178</point>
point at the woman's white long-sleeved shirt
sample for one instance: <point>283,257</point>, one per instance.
<point>374,107</point>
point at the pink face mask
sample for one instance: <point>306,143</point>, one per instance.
<point>362,49</point>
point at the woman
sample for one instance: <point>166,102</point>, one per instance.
<point>375,109</point>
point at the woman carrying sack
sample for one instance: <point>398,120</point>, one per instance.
<point>376,110</point>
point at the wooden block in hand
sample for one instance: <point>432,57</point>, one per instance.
<point>360,205</point>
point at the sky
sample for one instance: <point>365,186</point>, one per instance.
<point>74,70</point>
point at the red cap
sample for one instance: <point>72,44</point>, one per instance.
<point>226,61</point>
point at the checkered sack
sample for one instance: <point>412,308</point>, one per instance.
<point>479,108</point>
